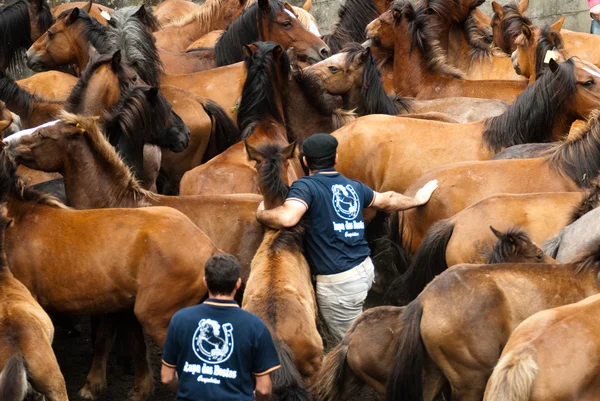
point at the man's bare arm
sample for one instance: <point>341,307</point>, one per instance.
<point>263,388</point>
<point>168,376</point>
<point>392,201</point>
<point>284,216</point>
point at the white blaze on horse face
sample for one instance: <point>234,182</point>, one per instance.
<point>27,132</point>
<point>291,14</point>
<point>591,72</point>
<point>312,27</point>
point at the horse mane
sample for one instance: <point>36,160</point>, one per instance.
<point>15,30</point>
<point>549,40</point>
<point>375,98</point>
<point>587,261</point>
<point>317,96</point>
<point>74,101</point>
<point>259,94</point>
<point>530,118</point>
<point>107,153</point>
<point>131,35</point>
<point>512,22</point>
<point>589,203</point>
<point>423,36</point>
<point>481,40</point>
<point>579,158</point>
<point>504,247</point>
<point>17,99</point>
<point>353,18</point>
<point>95,32</point>
<point>243,30</point>
<point>442,8</point>
<point>202,16</point>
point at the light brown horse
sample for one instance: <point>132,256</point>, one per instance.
<point>261,120</point>
<point>54,85</point>
<point>279,289</point>
<point>96,11</point>
<point>537,362</point>
<point>131,248</point>
<point>354,75</point>
<point>26,334</point>
<point>455,330</point>
<point>506,23</point>
<point>384,153</point>
<point>421,72</point>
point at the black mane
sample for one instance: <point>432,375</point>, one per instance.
<point>353,18</point>
<point>244,30</point>
<point>511,24</point>
<point>531,117</point>
<point>94,31</point>
<point>549,40</point>
<point>15,30</point>
<point>507,245</point>
<point>259,95</point>
<point>17,99</point>
<point>591,201</point>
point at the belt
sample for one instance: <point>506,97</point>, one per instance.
<point>336,278</point>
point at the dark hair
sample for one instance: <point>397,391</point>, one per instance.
<point>321,162</point>
<point>222,272</point>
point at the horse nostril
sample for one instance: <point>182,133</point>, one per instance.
<point>324,52</point>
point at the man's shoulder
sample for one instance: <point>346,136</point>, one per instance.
<point>189,312</point>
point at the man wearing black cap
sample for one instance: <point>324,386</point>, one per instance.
<point>335,247</point>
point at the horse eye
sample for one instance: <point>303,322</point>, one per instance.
<point>286,24</point>
<point>540,256</point>
<point>134,78</point>
<point>588,83</point>
<point>50,35</point>
<point>333,69</point>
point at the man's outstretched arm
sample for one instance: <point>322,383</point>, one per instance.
<point>284,216</point>
<point>393,201</point>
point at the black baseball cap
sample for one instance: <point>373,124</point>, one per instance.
<point>318,146</point>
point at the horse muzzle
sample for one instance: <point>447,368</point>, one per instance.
<point>34,62</point>
<point>14,127</point>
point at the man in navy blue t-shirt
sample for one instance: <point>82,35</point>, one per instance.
<point>335,246</point>
<point>215,350</point>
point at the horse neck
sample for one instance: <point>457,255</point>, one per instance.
<point>354,100</point>
<point>410,67</point>
<point>302,115</point>
<point>82,57</point>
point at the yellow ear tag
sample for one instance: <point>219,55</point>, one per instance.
<point>550,55</point>
<point>78,125</point>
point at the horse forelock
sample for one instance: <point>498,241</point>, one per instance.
<point>479,39</point>
<point>579,158</point>
<point>15,32</point>
<point>512,22</point>
<point>353,18</point>
<point>269,172</point>
<point>546,42</point>
<point>508,245</point>
<point>531,117</point>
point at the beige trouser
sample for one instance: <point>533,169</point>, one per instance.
<point>341,296</point>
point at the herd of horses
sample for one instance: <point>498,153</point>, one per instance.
<point>147,138</point>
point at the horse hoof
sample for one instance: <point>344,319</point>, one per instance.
<point>92,390</point>
<point>137,394</point>
<point>86,394</point>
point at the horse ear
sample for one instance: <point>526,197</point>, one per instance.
<point>88,7</point>
<point>497,9</point>
<point>73,15</point>
<point>523,6</point>
<point>557,26</point>
<point>141,13</point>
<point>526,31</point>
<point>396,15</point>
<point>289,7</point>
<point>253,154</point>
<point>497,233</point>
<point>553,65</point>
<point>289,151</point>
<point>115,63</point>
<point>152,93</point>
<point>37,4</point>
<point>264,5</point>
<point>364,55</point>
<point>307,5</point>
<point>277,52</point>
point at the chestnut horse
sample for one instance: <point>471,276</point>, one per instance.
<point>9,121</point>
<point>261,120</point>
<point>138,251</point>
<point>542,113</point>
<point>279,289</point>
<point>466,238</point>
<point>53,85</point>
<point>537,362</point>
<point>455,330</point>
<point>363,357</point>
<point>22,22</point>
<point>506,23</point>
<point>96,11</point>
<point>421,72</point>
<point>354,75</point>
<point>26,334</point>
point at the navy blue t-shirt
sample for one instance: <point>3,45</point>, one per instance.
<point>335,239</point>
<point>217,348</point>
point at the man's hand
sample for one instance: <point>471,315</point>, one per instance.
<point>595,12</point>
<point>422,196</point>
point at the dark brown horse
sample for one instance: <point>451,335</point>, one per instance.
<point>22,22</point>
<point>363,357</point>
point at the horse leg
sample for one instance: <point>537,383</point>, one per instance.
<point>433,381</point>
<point>144,383</point>
<point>104,329</point>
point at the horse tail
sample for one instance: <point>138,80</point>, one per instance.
<point>428,262</point>
<point>224,132</point>
<point>398,255</point>
<point>405,382</point>
<point>335,379</point>
<point>552,245</point>
<point>513,377</point>
<point>13,380</point>
<point>288,384</point>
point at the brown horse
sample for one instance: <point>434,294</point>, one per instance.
<point>363,357</point>
<point>455,330</point>
<point>421,72</point>
<point>543,109</point>
<point>131,249</point>
<point>22,22</point>
<point>9,121</point>
<point>53,85</point>
<point>261,120</point>
<point>354,75</point>
<point>507,22</point>
<point>26,334</point>
<point>96,11</point>
<point>537,362</point>
<point>279,289</point>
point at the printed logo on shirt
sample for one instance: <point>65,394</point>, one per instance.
<point>345,201</point>
<point>212,342</point>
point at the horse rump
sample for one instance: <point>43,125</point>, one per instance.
<point>13,380</point>
<point>513,377</point>
<point>224,132</point>
<point>288,384</point>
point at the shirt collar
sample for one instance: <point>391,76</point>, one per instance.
<point>327,171</point>
<point>221,302</point>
